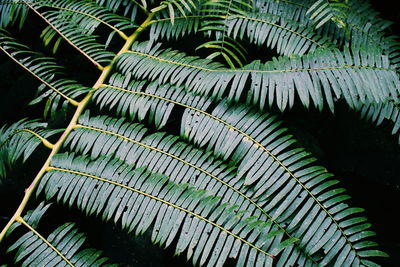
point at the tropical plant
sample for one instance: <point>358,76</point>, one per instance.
<point>187,145</point>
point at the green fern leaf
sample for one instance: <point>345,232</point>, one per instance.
<point>273,174</point>
<point>188,149</point>
<point>20,140</point>
<point>74,35</point>
<point>377,113</point>
<point>55,89</point>
<point>60,248</point>
<point>170,204</point>
<point>90,16</point>
<point>324,10</point>
<point>315,79</point>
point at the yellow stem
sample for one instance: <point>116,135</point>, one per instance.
<point>79,110</point>
<point>120,33</point>
<point>45,142</point>
<point>21,220</point>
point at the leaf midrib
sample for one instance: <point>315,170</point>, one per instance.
<point>51,168</point>
<point>223,70</point>
<point>230,126</point>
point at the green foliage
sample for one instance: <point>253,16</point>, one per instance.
<point>61,247</point>
<point>20,140</point>
<point>188,146</point>
<point>324,10</point>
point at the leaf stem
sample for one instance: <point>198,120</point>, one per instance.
<point>79,110</point>
<point>98,65</point>
<point>45,142</point>
<point>21,220</point>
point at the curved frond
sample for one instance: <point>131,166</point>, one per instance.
<point>182,6</point>
<point>76,36</point>
<point>323,11</point>
<point>89,16</point>
<point>62,247</point>
<point>288,189</point>
<point>229,49</point>
<point>225,179</point>
<point>161,27</point>
<point>55,89</point>
<point>354,75</point>
<point>129,8</point>
<point>138,199</point>
<point>288,38</point>
<point>12,12</point>
<point>137,100</point>
<point>377,113</point>
<point>363,26</point>
<point>20,140</point>
<point>161,153</point>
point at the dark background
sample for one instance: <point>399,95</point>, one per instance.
<point>364,157</point>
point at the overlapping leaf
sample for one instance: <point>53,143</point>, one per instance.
<point>264,30</point>
<point>20,140</point>
<point>12,13</point>
<point>239,154</point>
<point>62,247</point>
<point>377,113</point>
<point>55,89</point>
<point>89,16</point>
<point>358,76</point>
<point>161,153</point>
<point>287,188</point>
<point>78,37</point>
<point>288,38</point>
<point>138,199</point>
<point>364,27</point>
<point>323,11</point>
<point>136,99</point>
<point>255,143</point>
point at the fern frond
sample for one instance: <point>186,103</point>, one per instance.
<point>377,113</point>
<point>288,175</point>
<point>55,89</point>
<point>364,27</point>
<point>182,6</point>
<point>230,50</point>
<point>89,16</point>
<point>33,217</point>
<point>353,75</point>
<point>162,153</point>
<point>12,12</point>
<point>374,37</point>
<point>292,10</point>
<point>282,179</point>
<point>324,10</point>
<point>129,8</point>
<point>20,140</point>
<point>161,27</point>
<point>137,100</point>
<point>76,36</point>
<point>226,180</point>
<point>62,247</point>
<point>289,38</point>
<point>118,191</point>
